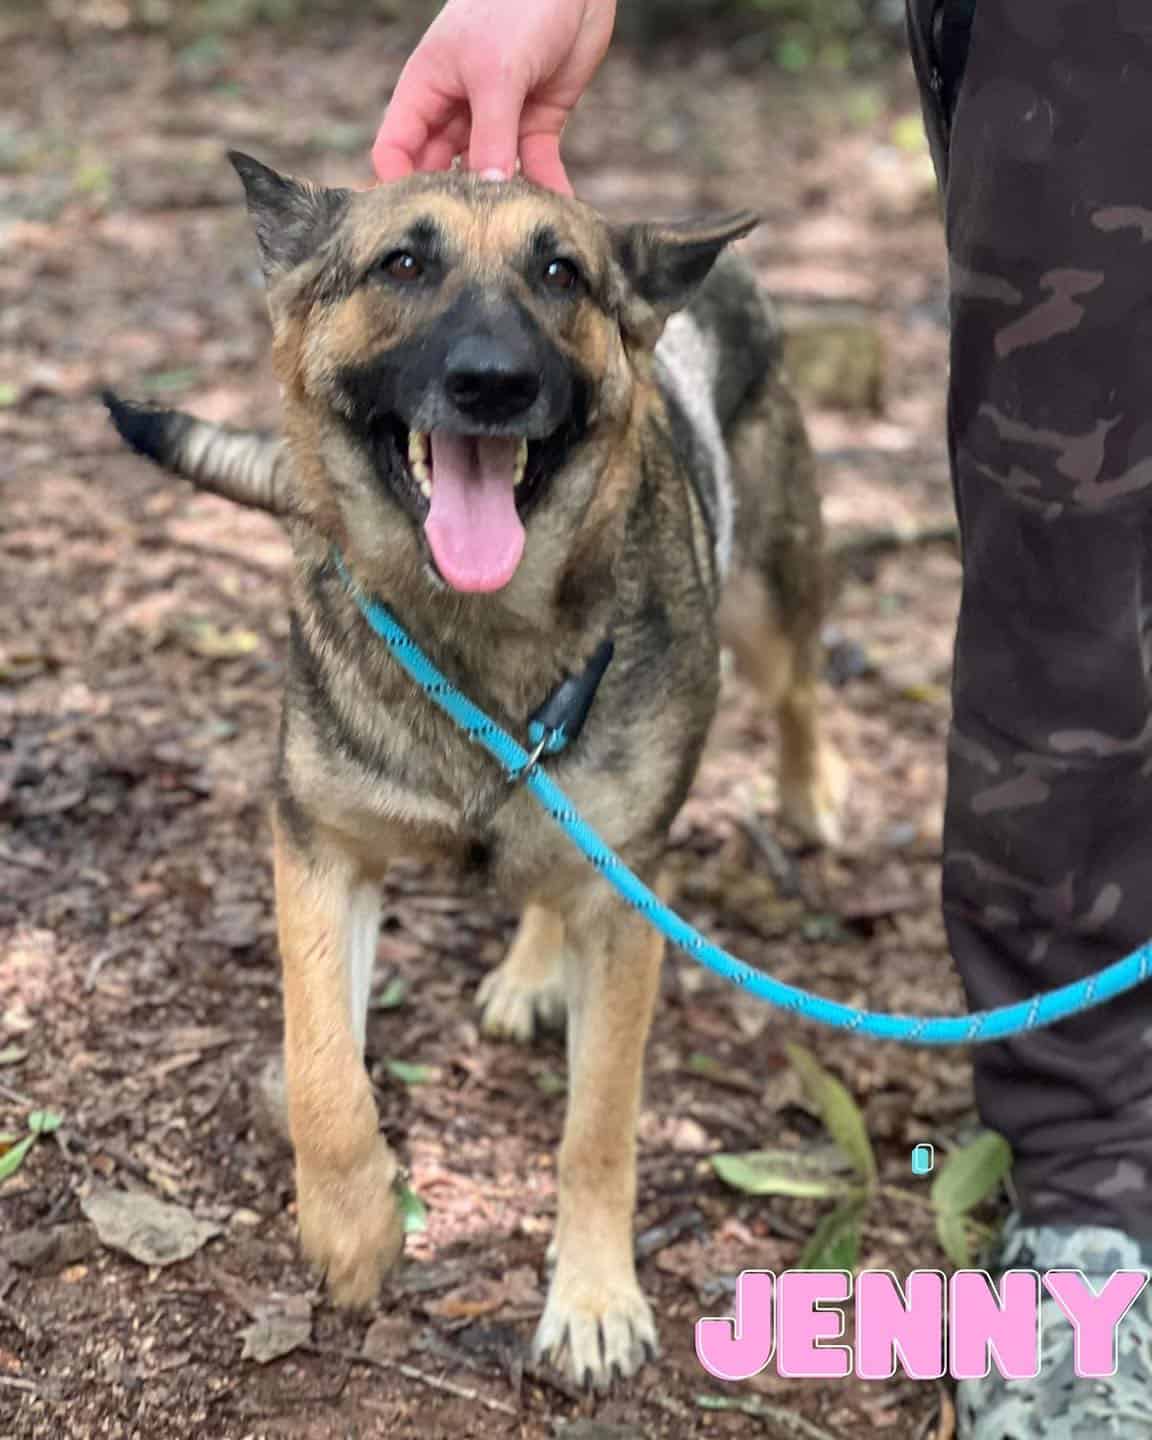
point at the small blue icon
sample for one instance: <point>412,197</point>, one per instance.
<point>923,1159</point>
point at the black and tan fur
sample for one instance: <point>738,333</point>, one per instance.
<point>674,508</point>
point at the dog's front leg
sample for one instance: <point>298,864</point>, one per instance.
<point>350,1222</point>
<point>596,1321</point>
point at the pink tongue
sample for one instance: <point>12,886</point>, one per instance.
<point>472,527</point>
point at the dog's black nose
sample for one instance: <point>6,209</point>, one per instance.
<point>488,381</point>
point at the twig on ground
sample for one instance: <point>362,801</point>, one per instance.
<point>784,874</point>
<point>25,862</point>
<point>779,1415</point>
<point>659,1237</point>
<point>101,958</point>
<point>434,1382</point>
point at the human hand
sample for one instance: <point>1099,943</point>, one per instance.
<point>496,79</point>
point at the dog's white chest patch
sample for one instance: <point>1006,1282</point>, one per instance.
<point>688,364</point>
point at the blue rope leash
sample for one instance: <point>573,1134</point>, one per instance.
<point>519,764</point>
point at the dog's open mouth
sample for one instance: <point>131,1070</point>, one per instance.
<point>473,526</point>
<point>471,493</point>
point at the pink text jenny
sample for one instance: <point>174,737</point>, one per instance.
<point>963,1324</point>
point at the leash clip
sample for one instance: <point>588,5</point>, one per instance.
<point>517,777</point>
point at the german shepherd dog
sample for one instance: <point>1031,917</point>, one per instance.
<point>525,430</point>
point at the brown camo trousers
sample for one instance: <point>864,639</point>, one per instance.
<point>1040,114</point>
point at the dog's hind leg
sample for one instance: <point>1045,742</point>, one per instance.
<point>350,1222</point>
<point>772,611</point>
<point>596,1321</point>
<point>527,989</point>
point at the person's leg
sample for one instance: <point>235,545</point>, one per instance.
<point>1048,835</point>
<point>1044,128</point>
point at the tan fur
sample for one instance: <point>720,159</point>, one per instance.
<point>349,1218</point>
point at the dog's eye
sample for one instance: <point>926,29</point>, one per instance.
<point>402,266</point>
<point>561,275</point>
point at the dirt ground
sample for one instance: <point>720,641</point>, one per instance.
<point>142,637</point>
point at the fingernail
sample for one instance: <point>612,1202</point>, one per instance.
<point>493,175</point>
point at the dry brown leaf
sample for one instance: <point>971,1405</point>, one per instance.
<point>280,1324</point>
<point>484,1297</point>
<point>152,1231</point>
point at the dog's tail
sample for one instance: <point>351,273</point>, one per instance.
<point>241,465</point>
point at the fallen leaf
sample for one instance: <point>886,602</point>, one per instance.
<point>467,1304</point>
<point>212,642</point>
<point>280,1325</point>
<point>411,1074</point>
<point>389,1337</point>
<point>12,1055</point>
<point>392,996</point>
<point>518,1288</point>
<point>711,1069</point>
<point>155,1232</point>
<point>414,1211</point>
<point>972,1173</point>
<point>12,1156</point>
<point>840,1113</point>
<point>819,1172</point>
<point>60,1245</point>
<point>835,1243</point>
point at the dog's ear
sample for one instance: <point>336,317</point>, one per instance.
<point>663,265</point>
<point>291,217</point>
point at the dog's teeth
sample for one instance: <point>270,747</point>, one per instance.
<point>423,477</point>
<point>521,462</point>
<point>417,447</point>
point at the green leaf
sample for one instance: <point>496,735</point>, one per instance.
<point>972,1173</point>
<point>411,1074</point>
<point>908,133</point>
<point>835,1243</point>
<point>711,1069</point>
<point>414,1211</point>
<point>953,1237</point>
<point>13,1055</point>
<point>44,1122</point>
<point>167,380</point>
<point>9,394</point>
<point>839,1112</point>
<point>11,1161</point>
<point>393,995</point>
<point>793,54</point>
<point>551,1082</point>
<point>814,1174</point>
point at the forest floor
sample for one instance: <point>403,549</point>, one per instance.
<point>142,631</point>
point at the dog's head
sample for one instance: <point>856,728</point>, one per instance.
<point>460,362</point>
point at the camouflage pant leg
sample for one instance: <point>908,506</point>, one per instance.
<point>1043,127</point>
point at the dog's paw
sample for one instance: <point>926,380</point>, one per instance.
<point>513,1006</point>
<point>594,1332</point>
<point>816,808</point>
<point>351,1225</point>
